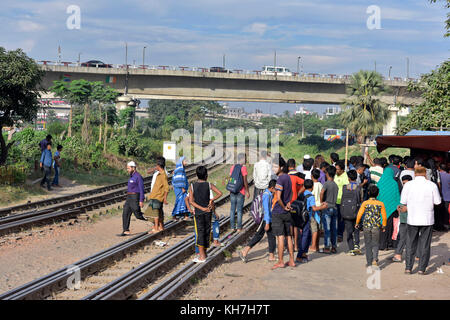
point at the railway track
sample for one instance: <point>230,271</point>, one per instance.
<point>62,199</point>
<point>66,210</point>
<point>136,268</point>
<point>104,270</point>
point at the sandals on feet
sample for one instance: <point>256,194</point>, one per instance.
<point>278,265</point>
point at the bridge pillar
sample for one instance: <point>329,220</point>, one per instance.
<point>389,128</point>
<point>123,102</point>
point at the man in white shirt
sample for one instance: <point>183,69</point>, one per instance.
<point>418,198</point>
<point>300,166</point>
<point>262,172</point>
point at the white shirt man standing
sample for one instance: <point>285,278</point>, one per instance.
<point>262,172</point>
<point>418,198</point>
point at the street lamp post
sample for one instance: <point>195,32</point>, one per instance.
<point>298,65</point>
<point>126,64</point>
<point>143,57</point>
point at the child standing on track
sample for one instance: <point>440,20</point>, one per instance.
<point>374,220</point>
<point>199,198</point>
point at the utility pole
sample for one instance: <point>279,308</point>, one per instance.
<point>223,61</point>
<point>275,62</point>
<point>79,60</point>
<point>407,68</point>
<point>303,128</point>
<point>298,65</point>
<point>390,68</point>
<point>375,66</point>
<point>126,64</point>
<point>143,57</point>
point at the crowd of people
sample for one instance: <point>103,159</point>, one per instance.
<point>395,202</point>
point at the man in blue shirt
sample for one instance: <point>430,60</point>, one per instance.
<point>313,214</point>
<point>135,198</point>
<point>46,164</point>
<point>264,226</point>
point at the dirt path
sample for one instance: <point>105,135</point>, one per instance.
<point>337,276</point>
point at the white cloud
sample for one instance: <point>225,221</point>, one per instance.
<point>258,28</point>
<point>29,26</point>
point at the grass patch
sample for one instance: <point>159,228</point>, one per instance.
<point>94,177</point>
<point>9,195</point>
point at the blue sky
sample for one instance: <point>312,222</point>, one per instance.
<point>330,36</point>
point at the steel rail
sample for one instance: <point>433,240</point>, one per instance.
<point>55,281</point>
<point>20,221</point>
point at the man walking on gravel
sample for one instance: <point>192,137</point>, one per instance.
<point>135,198</point>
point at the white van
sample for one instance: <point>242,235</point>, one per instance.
<point>280,71</point>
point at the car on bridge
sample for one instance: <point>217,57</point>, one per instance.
<point>95,64</point>
<point>219,69</point>
<point>271,71</point>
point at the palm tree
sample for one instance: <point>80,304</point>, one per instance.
<point>364,114</point>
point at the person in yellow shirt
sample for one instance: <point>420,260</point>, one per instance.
<point>158,196</point>
<point>374,219</point>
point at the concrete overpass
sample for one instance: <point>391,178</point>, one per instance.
<point>204,85</point>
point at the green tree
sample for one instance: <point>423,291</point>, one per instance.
<point>434,112</point>
<point>60,89</point>
<point>20,82</point>
<point>364,114</point>
<point>126,117</point>
<point>447,22</point>
<point>78,92</point>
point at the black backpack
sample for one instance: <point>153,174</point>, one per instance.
<point>300,213</point>
<point>350,202</point>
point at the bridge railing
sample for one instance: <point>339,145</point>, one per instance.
<point>309,75</point>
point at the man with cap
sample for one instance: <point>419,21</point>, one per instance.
<point>135,198</point>
<point>300,167</point>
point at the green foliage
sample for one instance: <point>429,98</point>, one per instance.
<point>447,22</point>
<point>126,116</point>
<point>364,113</point>
<point>20,81</point>
<point>185,111</point>
<point>434,112</point>
<point>26,147</point>
<point>56,128</point>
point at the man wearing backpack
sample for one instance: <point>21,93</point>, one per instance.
<point>351,201</point>
<point>310,206</point>
<point>238,187</point>
<point>263,205</point>
<point>281,217</point>
<point>262,172</point>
